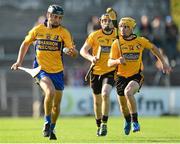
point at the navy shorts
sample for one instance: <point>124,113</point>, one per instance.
<point>56,78</point>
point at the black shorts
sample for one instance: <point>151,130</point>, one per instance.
<point>97,81</point>
<point>122,82</point>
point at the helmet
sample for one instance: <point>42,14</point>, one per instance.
<point>128,21</point>
<point>56,9</point>
<point>104,16</point>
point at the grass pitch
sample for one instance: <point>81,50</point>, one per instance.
<point>83,130</point>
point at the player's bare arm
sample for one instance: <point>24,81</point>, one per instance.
<point>115,62</point>
<point>165,67</point>
<point>71,52</point>
<point>22,52</point>
<point>84,52</point>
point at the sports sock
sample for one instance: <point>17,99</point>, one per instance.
<point>47,119</point>
<point>52,126</point>
<point>128,118</point>
<point>104,119</point>
<point>134,117</point>
<point>98,122</point>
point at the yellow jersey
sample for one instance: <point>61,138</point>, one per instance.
<point>99,41</point>
<point>132,52</point>
<point>48,44</point>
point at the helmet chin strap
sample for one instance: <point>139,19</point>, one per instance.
<point>129,37</point>
<point>52,26</point>
<point>55,26</point>
<point>126,36</point>
<point>107,29</point>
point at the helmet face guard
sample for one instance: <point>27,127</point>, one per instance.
<point>106,27</point>
<point>56,9</point>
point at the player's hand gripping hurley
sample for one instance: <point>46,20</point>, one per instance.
<point>93,64</point>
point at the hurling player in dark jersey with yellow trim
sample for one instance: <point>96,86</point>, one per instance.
<point>102,77</point>
<point>129,70</point>
<point>49,39</point>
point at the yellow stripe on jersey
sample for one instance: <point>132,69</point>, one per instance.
<point>48,44</point>
<point>99,39</point>
<point>132,51</point>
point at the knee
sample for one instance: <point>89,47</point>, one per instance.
<point>49,92</point>
<point>128,92</point>
<point>105,94</point>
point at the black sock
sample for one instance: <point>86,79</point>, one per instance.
<point>98,122</point>
<point>104,119</point>
<point>128,118</point>
<point>134,117</point>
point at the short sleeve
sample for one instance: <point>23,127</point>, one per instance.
<point>114,53</point>
<point>90,40</point>
<point>68,39</point>
<point>146,43</point>
<point>31,37</point>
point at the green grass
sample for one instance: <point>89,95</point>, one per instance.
<point>83,130</point>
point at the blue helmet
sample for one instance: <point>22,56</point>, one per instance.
<point>56,9</point>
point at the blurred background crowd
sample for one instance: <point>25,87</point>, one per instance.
<point>155,21</point>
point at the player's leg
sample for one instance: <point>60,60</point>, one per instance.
<point>107,84</point>
<point>105,101</point>
<point>55,112</point>
<point>97,99</point>
<point>58,82</point>
<point>49,92</point>
<point>121,83</point>
<point>97,104</point>
<point>125,112</point>
<point>105,109</point>
<point>56,106</point>
<point>129,91</point>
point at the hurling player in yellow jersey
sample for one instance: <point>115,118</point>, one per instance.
<point>129,70</point>
<point>49,39</point>
<point>102,77</point>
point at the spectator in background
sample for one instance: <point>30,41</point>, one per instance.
<point>93,25</point>
<point>158,32</point>
<point>145,29</point>
<point>171,37</point>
